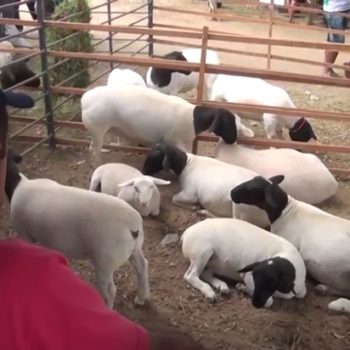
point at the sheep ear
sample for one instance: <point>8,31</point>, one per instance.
<point>276,180</point>
<point>159,182</point>
<point>127,183</point>
<point>248,268</point>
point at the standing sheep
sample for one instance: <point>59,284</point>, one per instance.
<point>240,89</point>
<point>306,177</point>
<point>128,183</point>
<point>176,81</point>
<point>147,116</point>
<point>322,239</point>
<point>270,267</point>
<point>205,181</point>
<point>81,224</point>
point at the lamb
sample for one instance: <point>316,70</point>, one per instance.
<point>147,116</point>
<point>176,81</point>
<point>306,177</point>
<point>81,224</point>
<point>125,77</point>
<point>322,239</point>
<point>240,89</point>
<point>128,183</point>
<point>205,181</point>
<point>270,267</point>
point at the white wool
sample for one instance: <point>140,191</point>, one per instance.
<point>120,76</point>
<point>138,114</point>
<point>129,184</point>
<point>208,181</point>
<point>82,225</point>
<point>181,83</point>
<point>340,305</point>
<point>224,246</point>
<point>306,177</point>
<point>241,89</point>
<point>323,240</point>
<point>5,57</point>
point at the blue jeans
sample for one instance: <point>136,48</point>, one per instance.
<point>336,22</point>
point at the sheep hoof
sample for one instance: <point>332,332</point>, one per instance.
<point>322,289</point>
<point>225,292</point>
<point>212,299</point>
<point>139,302</point>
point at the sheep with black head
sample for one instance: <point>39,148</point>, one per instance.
<point>204,181</point>
<point>223,247</point>
<point>323,239</point>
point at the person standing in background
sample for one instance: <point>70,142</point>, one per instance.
<point>335,21</point>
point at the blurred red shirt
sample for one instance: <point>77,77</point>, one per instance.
<point>45,306</point>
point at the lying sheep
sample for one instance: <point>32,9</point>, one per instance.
<point>147,116</point>
<point>270,267</point>
<point>240,89</point>
<point>322,239</point>
<point>120,76</point>
<point>205,181</point>
<point>128,183</point>
<point>176,81</point>
<point>81,224</point>
<point>306,177</point>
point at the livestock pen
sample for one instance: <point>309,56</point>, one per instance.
<point>55,145</point>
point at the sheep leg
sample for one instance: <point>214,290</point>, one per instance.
<point>194,271</point>
<point>96,146</point>
<point>183,200</point>
<point>140,265</point>
<point>104,279</point>
<point>270,125</point>
<point>221,286</point>
<point>204,213</point>
<point>325,290</point>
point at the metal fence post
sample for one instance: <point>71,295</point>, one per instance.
<point>110,38</point>
<point>50,123</point>
<point>150,25</point>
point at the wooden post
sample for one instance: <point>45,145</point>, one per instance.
<point>201,80</point>
<point>269,48</point>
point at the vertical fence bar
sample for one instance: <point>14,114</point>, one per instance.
<point>271,9</point>
<point>201,89</point>
<point>150,25</point>
<point>50,123</point>
<point>110,37</point>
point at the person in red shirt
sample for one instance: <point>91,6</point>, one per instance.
<point>44,305</point>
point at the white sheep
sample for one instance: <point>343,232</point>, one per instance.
<point>322,239</point>
<point>176,81</point>
<point>146,116</point>
<point>240,89</point>
<point>205,181</point>
<point>306,177</point>
<point>128,183</point>
<point>270,267</point>
<point>120,76</point>
<point>81,224</point>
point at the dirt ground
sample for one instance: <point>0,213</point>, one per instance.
<point>231,323</point>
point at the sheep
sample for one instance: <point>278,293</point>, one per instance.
<point>128,183</point>
<point>176,81</point>
<point>124,77</point>
<point>148,116</point>
<point>81,224</point>
<point>306,177</point>
<point>240,89</point>
<point>322,239</point>
<point>13,73</point>
<point>222,246</point>
<point>205,181</point>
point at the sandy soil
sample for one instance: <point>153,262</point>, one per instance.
<point>231,323</point>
